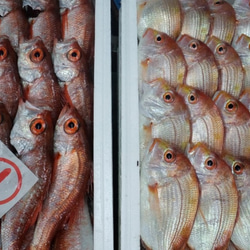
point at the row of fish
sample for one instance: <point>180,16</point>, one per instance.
<point>194,124</point>
<point>46,105</point>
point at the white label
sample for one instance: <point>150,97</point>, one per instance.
<point>15,179</point>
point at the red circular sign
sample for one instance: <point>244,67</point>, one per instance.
<point>19,183</point>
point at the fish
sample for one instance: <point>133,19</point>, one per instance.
<point>13,22</point>
<point>71,175</point>
<point>218,200</point>
<point>242,47</point>
<point>231,71</point>
<point>206,121</point>
<point>240,168</point>
<point>74,76</point>
<point>236,119</point>
<point>6,124</point>
<point>44,19</point>
<point>242,10</point>
<point>159,56</point>
<point>169,197</point>
<point>196,19</point>
<point>10,83</point>
<point>164,115</point>
<point>223,20</point>
<point>162,15</point>
<point>39,81</point>
<point>202,72</point>
<point>32,137</point>
<point>78,232</point>
<point>78,21</point>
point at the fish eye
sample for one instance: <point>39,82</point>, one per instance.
<point>231,106</point>
<point>74,55</point>
<point>169,156</point>
<point>192,98</point>
<point>37,55</point>
<point>3,53</point>
<point>158,38</point>
<point>221,49</point>
<point>71,126</point>
<point>193,45</point>
<point>210,163</point>
<point>238,168</point>
<point>38,126</point>
<point>168,97</point>
<point>217,2</point>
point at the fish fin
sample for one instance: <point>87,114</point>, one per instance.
<point>202,215</point>
<point>64,18</point>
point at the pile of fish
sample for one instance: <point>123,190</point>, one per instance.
<point>46,119</point>
<point>194,102</point>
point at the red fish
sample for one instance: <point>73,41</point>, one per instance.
<point>32,137</point>
<point>71,175</point>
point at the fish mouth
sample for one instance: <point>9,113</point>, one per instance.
<point>32,13</point>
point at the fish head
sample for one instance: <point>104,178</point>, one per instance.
<point>231,110</point>
<point>6,6</point>
<point>163,160</point>
<point>69,59</point>
<point>70,130</point>
<point>69,4</point>
<point>154,41</point>
<point>8,56</point>
<point>38,5</point>
<point>159,100</point>
<point>240,168</point>
<point>31,127</point>
<point>223,52</point>
<point>33,59</point>
<point>242,45</point>
<point>209,167</point>
<point>197,102</point>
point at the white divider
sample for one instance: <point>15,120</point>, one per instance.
<point>103,189</point>
<point>129,129</point>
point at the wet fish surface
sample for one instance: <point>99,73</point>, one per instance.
<point>218,201</point>
<point>169,197</point>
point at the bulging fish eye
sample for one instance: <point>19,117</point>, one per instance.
<point>74,55</point>
<point>168,97</point>
<point>38,126</point>
<point>238,168</point>
<point>221,49</point>
<point>217,2</point>
<point>210,163</point>
<point>158,38</point>
<point>192,98</point>
<point>231,106</point>
<point>71,126</point>
<point>37,55</point>
<point>3,53</point>
<point>193,45</point>
<point>169,156</point>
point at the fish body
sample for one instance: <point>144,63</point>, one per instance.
<point>13,22</point>
<point>218,201</point>
<point>46,22</point>
<point>206,121</point>
<point>236,119</point>
<point>161,15</point>
<point>74,77</point>
<point>169,197</point>
<point>202,72</point>
<point>241,171</point>
<point>78,21</point>
<point>196,19</point>
<point>242,10</point>
<point>40,84</point>
<point>164,115</point>
<point>78,232</point>
<point>71,173</point>
<point>32,137</point>
<point>230,67</point>
<point>223,20</point>
<point>242,47</point>
<point>161,57</point>
<point>10,84</point>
